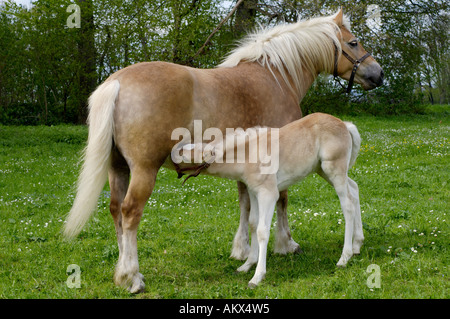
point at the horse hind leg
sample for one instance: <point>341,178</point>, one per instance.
<point>141,186</point>
<point>254,248</point>
<point>358,235</point>
<point>335,172</point>
<point>284,243</point>
<point>119,176</point>
<point>266,205</point>
<point>241,246</point>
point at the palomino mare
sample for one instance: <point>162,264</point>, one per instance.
<point>133,113</point>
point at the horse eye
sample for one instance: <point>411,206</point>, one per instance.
<point>354,43</point>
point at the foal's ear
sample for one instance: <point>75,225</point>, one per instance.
<point>339,18</point>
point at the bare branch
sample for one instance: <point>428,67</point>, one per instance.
<point>217,29</point>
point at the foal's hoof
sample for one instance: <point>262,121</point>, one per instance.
<point>343,261</point>
<point>240,252</point>
<point>137,285</point>
<point>298,250</point>
<point>255,281</point>
<point>244,268</point>
<point>252,285</point>
<point>357,246</point>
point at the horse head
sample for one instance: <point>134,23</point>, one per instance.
<point>355,63</point>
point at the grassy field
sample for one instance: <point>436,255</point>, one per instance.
<point>186,232</point>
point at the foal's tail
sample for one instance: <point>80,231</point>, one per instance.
<point>96,156</point>
<point>356,142</point>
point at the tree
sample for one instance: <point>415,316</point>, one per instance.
<point>245,17</point>
<point>39,64</point>
<point>86,57</point>
<point>48,70</point>
<point>411,45</point>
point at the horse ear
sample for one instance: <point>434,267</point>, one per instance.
<point>339,17</point>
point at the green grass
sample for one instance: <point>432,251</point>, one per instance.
<point>186,232</point>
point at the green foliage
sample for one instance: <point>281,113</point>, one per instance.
<point>40,64</point>
<point>47,70</point>
<point>411,44</point>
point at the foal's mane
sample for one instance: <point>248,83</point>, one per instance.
<point>291,48</point>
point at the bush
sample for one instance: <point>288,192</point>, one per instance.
<point>397,98</point>
<point>21,114</point>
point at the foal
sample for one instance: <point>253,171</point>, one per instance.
<point>318,143</point>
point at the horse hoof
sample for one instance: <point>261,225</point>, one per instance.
<point>290,247</point>
<point>298,250</point>
<point>252,285</point>
<point>240,254</point>
<point>244,268</point>
<point>138,285</point>
<point>341,263</point>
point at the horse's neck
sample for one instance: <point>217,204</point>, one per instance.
<point>308,80</point>
<point>299,93</point>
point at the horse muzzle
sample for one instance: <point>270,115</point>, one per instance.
<point>372,76</point>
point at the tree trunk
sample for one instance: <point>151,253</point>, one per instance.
<point>245,17</point>
<point>87,58</point>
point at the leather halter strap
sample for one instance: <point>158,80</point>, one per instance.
<point>355,63</point>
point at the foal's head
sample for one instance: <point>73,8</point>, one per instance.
<point>367,72</point>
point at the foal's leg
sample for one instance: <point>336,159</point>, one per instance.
<point>241,247</point>
<point>342,189</point>
<point>337,176</point>
<point>254,250</point>
<point>266,204</point>
<point>284,243</point>
<point>358,236</point>
<point>348,208</point>
<point>141,186</point>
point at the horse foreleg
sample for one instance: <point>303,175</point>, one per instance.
<point>127,271</point>
<point>254,249</point>
<point>241,246</point>
<point>284,243</point>
<point>266,205</point>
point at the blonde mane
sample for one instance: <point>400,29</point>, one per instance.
<point>292,48</point>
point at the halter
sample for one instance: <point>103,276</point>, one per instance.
<point>356,64</point>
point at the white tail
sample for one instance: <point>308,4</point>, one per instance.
<point>356,142</point>
<point>96,159</point>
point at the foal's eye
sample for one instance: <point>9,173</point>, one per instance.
<point>353,43</point>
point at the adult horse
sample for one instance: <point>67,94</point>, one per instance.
<point>133,113</point>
